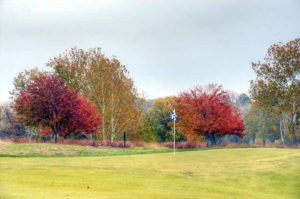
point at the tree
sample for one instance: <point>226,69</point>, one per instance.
<point>106,82</point>
<point>207,112</point>
<point>9,126</point>
<point>158,122</point>
<point>261,125</point>
<point>46,102</point>
<point>23,79</point>
<point>86,119</point>
<point>277,85</point>
<point>243,100</point>
<point>7,118</point>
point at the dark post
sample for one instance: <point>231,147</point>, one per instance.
<point>124,139</point>
<point>55,138</point>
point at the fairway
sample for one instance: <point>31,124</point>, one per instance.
<point>220,173</point>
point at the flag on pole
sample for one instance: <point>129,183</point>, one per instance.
<point>174,116</point>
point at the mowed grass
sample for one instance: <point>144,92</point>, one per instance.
<point>223,173</point>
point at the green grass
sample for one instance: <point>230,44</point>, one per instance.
<point>224,173</point>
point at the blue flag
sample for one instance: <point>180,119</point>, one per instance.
<point>174,116</point>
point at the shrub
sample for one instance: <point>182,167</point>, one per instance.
<point>185,145</point>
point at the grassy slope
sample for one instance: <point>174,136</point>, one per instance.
<point>59,150</point>
<point>226,173</point>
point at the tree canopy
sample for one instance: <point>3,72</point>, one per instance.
<point>206,111</point>
<point>106,82</point>
<point>158,123</point>
<point>47,102</point>
<point>277,86</point>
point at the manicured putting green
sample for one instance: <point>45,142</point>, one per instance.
<point>223,173</point>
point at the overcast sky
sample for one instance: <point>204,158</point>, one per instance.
<point>168,46</point>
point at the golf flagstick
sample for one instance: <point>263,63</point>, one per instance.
<point>174,138</point>
<point>174,117</point>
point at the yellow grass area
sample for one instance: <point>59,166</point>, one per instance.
<point>241,173</point>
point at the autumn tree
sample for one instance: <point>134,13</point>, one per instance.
<point>207,112</point>
<point>277,85</point>
<point>47,102</point>
<point>106,82</point>
<point>86,119</point>
<point>24,79</point>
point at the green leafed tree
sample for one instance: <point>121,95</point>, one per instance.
<point>24,79</point>
<point>277,86</point>
<point>261,126</point>
<point>158,123</point>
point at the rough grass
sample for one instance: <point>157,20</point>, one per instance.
<point>59,150</point>
<point>4,142</point>
<point>225,173</point>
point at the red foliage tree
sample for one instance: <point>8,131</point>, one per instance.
<point>86,119</point>
<point>48,103</point>
<point>207,112</point>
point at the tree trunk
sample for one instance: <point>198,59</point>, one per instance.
<point>294,118</point>
<point>55,137</point>
<point>103,111</point>
<point>282,128</point>
<point>112,119</point>
<point>210,138</point>
<point>112,128</point>
<point>55,134</point>
<point>295,140</point>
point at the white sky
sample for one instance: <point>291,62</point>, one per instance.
<point>168,46</point>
